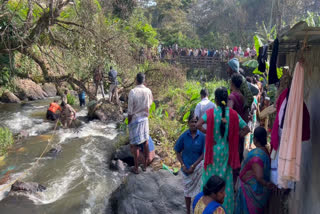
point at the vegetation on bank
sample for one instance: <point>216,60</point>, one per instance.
<point>6,140</point>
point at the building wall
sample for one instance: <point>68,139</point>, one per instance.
<point>306,196</point>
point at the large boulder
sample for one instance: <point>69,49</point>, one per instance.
<point>9,97</point>
<point>30,187</point>
<point>50,89</point>
<point>27,89</point>
<point>150,192</point>
<point>104,111</point>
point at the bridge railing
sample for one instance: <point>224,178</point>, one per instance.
<point>196,62</point>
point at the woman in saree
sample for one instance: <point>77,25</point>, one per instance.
<point>221,155</point>
<point>210,200</point>
<point>253,192</point>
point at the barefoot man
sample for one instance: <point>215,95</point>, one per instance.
<point>140,100</point>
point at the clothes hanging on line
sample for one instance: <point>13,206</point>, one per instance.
<point>278,123</point>
<point>273,74</point>
<point>262,58</point>
<point>291,139</point>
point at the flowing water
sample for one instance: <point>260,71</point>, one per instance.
<point>78,179</point>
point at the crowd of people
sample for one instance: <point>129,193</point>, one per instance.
<point>225,163</point>
<point>222,53</point>
<point>171,52</point>
<point>224,159</point>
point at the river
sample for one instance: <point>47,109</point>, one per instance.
<point>78,180</point>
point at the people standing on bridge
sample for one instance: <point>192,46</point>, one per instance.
<point>140,100</point>
<point>113,90</point>
<point>98,79</point>
<point>204,105</point>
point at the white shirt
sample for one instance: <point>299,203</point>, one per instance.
<point>140,100</point>
<point>203,106</point>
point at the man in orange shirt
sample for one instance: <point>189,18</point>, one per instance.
<point>51,113</point>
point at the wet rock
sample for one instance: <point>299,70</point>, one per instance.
<point>124,154</point>
<point>9,97</point>
<point>30,187</point>
<point>104,111</point>
<point>50,89</point>
<point>28,89</point>
<point>151,192</point>
<point>118,165</point>
<point>54,151</point>
<point>23,134</point>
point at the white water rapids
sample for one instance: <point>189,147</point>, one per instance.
<point>78,180</point>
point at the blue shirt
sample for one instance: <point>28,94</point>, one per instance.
<point>82,95</point>
<point>191,149</point>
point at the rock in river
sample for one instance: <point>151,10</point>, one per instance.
<point>150,192</point>
<point>104,111</point>
<point>9,97</point>
<point>50,89</point>
<point>27,89</point>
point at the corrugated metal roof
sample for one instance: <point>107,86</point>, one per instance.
<point>293,39</point>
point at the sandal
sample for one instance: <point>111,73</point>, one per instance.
<point>144,168</point>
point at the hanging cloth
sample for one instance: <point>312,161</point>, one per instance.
<point>279,121</point>
<point>262,58</point>
<point>290,145</point>
<point>273,76</point>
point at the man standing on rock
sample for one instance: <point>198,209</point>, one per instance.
<point>98,79</point>
<point>140,100</point>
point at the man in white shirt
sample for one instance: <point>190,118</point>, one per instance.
<point>140,100</point>
<point>204,105</point>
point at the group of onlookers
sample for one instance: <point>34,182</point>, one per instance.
<point>223,154</point>
<point>222,53</point>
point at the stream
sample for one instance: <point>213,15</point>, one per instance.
<point>78,179</point>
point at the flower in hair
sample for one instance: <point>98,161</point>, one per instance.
<point>223,102</point>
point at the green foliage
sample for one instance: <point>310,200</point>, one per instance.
<point>251,63</point>
<point>279,72</point>
<point>264,34</point>
<point>21,9</point>
<point>312,19</point>
<point>146,34</point>
<point>71,99</point>
<point>6,140</point>
<point>257,43</point>
<point>4,76</point>
<point>170,37</point>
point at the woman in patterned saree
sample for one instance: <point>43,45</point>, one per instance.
<point>224,126</point>
<point>253,192</point>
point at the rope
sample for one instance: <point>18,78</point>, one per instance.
<point>37,161</point>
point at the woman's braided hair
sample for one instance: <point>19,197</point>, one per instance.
<point>222,99</point>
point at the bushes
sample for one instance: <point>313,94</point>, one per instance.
<point>6,140</point>
<point>71,99</point>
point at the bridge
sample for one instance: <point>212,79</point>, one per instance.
<point>197,62</point>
